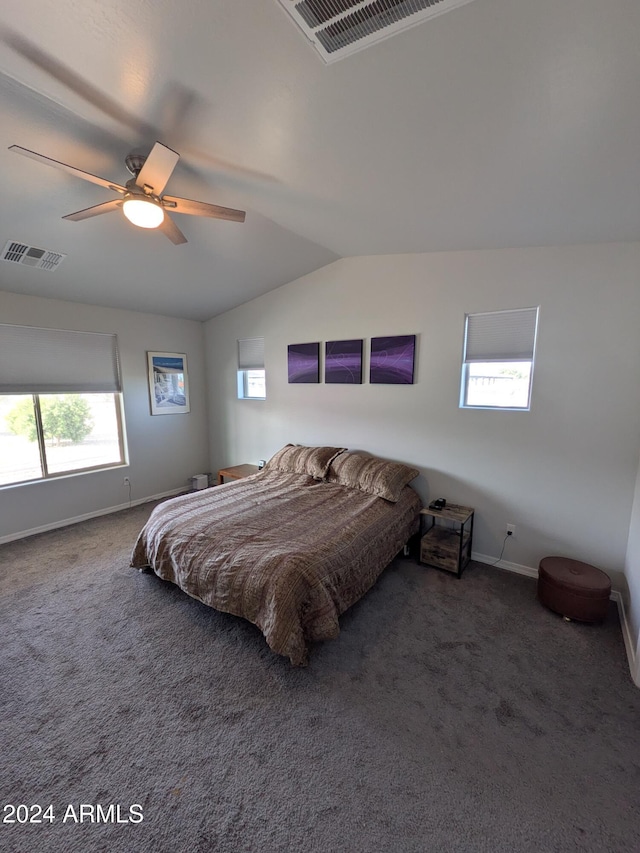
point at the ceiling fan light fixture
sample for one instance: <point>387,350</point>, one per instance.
<point>143,212</point>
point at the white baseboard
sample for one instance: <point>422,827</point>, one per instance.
<point>67,521</point>
<point>633,657</point>
<point>505,564</point>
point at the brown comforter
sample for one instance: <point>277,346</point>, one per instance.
<point>285,551</point>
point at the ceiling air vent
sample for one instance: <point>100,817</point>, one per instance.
<point>42,259</point>
<point>338,28</point>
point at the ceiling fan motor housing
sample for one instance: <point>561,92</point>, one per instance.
<point>135,161</point>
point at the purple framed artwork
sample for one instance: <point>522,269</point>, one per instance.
<point>303,362</point>
<point>343,362</point>
<point>392,360</point>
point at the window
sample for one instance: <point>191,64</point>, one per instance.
<point>60,406</point>
<point>251,372</point>
<point>497,367</point>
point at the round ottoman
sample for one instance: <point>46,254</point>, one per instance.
<point>574,589</point>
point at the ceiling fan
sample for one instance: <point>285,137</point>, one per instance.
<point>141,198</point>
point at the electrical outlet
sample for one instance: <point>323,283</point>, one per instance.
<point>126,481</point>
<point>511,530</point>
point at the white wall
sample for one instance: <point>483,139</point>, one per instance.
<point>563,473</point>
<point>163,450</point>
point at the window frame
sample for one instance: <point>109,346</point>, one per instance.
<point>505,356</point>
<point>464,390</point>
<point>38,361</point>
<point>250,359</point>
<point>42,450</point>
<point>243,384</point>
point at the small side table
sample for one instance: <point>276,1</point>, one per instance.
<point>447,546</point>
<point>236,472</point>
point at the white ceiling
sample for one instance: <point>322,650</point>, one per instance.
<point>502,123</point>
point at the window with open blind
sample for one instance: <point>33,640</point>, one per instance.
<point>60,405</point>
<point>251,371</point>
<point>498,358</point>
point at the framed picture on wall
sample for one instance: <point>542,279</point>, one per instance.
<point>168,383</point>
<point>303,362</point>
<point>343,362</point>
<point>392,360</point>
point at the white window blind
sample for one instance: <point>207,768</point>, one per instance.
<point>251,354</point>
<point>501,335</point>
<point>46,361</point>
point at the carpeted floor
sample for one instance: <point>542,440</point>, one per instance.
<point>448,716</point>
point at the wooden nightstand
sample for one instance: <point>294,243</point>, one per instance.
<point>446,544</point>
<point>236,472</point>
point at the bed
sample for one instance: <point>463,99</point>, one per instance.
<point>289,548</point>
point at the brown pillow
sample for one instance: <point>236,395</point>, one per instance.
<point>371,474</point>
<point>297,459</point>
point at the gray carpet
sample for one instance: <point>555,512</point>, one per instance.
<point>448,716</point>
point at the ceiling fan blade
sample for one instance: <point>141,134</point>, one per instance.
<point>171,230</point>
<point>73,81</point>
<point>87,176</point>
<point>201,208</point>
<point>96,210</point>
<point>176,105</point>
<point>157,168</point>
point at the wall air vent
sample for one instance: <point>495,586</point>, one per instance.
<point>338,28</point>
<point>42,259</point>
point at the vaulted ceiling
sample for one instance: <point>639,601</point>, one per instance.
<point>501,123</point>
